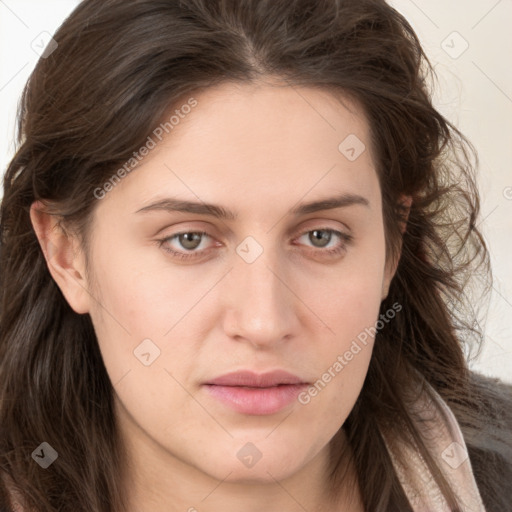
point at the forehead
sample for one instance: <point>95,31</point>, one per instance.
<point>247,145</point>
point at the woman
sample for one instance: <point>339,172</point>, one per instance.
<point>181,329</point>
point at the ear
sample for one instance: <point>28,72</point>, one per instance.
<point>63,256</point>
<point>405,203</point>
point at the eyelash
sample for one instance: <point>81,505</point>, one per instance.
<point>346,238</point>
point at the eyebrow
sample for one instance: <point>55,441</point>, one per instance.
<point>178,205</point>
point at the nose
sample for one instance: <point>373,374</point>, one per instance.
<point>260,306</point>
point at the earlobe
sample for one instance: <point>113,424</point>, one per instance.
<point>64,259</point>
<point>405,203</point>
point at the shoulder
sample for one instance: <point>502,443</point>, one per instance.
<point>486,423</point>
<point>495,391</point>
<point>492,404</point>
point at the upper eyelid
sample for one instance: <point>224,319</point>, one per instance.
<point>337,232</point>
<point>315,224</point>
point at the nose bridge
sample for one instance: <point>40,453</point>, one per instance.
<point>260,303</point>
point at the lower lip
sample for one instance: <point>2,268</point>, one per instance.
<point>256,400</point>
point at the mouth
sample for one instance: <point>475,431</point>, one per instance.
<point>250,393</point>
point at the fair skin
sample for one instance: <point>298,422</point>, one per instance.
<point>258,151</point>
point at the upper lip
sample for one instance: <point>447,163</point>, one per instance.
<point>257,380</point>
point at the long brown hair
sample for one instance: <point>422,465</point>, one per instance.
<point>120,65</point>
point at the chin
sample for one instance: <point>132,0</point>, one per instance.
<point>259,474</point>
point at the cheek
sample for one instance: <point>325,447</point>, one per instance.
<point>139,289</point>
<point>150,306</point>
<point>140,311</point>
<point>348,303</point>
<point>348,296</point>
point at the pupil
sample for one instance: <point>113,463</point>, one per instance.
<point>187,238</point>
<point>326,235</point>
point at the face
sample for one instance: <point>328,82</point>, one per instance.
<point>186,299</point>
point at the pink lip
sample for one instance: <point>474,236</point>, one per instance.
<point>251,393</point>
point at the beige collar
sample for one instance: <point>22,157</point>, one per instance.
<point>442,435</point>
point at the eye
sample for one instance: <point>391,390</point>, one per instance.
<point>191,241</point>
<point>323,236</point>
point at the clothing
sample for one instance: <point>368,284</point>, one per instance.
<point>443,437</point>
